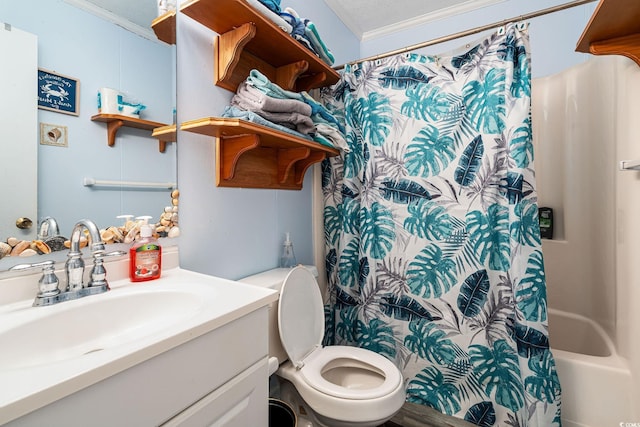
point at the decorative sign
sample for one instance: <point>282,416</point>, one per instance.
<point>58,93</point>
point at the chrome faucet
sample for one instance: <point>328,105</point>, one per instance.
<point>48,291</point>
<point>74,267</point>
<point>48,228</point>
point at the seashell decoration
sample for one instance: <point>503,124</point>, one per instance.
<point>167,226</point>
<point>5,249</point>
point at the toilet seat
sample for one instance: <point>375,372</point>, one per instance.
<point>354,357</point>
<point>300,315</point>
<point>301,325</point>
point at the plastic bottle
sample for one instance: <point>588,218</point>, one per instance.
<point>145,256</point>
<point>288,258</point>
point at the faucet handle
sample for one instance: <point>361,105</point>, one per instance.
<point>98,272</point>
<point>48,283</point>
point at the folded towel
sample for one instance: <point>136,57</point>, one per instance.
<point>318,112</point>
<point>298,31</point>
<point>234,112</point>
<point>271,15</point>
<point>306,32</point>
<point>273,5</point>
<point>299,122</point>
<point>253,98</point>
<point>334,136</point>
<point>316,41</point>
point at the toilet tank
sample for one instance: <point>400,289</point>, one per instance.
<point>273,279</point>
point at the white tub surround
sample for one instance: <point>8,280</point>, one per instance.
<point>596,381</point>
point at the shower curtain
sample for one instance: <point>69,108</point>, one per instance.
<point>433,246</point>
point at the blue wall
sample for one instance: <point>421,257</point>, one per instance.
<point>231,232</point>
<point>236,232</point>
<point>99,54</point>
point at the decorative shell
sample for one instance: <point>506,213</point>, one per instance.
<point>20,247</point>
<point>174,232</point>
<point>175,194</point>
<point>5,249</point>
<point>28,252</point>
<point>13,241</point>
<point>55,243</point>
<point>40,247</point>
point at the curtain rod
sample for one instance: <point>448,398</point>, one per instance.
<point>471,31</point>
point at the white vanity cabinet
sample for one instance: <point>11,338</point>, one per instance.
<point>217,379</point>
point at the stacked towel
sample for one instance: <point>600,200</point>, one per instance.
<point>303,30</point>
<point>271,14</point>
<point>297,112</point>
<point>290,113</point>
<point>306,33</point>
<point>237,113</point>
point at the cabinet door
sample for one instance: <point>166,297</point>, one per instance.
<point>18,130</point>
<point>241,402</point>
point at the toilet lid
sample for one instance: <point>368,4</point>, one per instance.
<point>300,315</point>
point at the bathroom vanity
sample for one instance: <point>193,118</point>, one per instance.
<point>186,349</point>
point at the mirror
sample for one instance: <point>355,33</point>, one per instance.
<point>87,45</point>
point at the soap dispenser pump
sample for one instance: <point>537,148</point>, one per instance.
<point>288,258</point>
<point>145,255</point>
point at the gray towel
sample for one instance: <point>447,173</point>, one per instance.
<point>254,99</point>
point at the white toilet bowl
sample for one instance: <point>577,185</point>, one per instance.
<point>343,386</point>
<point>348,386</point>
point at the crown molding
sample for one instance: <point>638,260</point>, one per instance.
<point>352,23</point>
<point>87,6</point>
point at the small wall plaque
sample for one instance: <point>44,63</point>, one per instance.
<point>53,135</point>
<point>58,93</point>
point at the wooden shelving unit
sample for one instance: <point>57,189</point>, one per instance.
<point>614,29</point>
<point>116,121</point>
<point>248,40</point>
<point>250,155</point>
<point>165,27</point>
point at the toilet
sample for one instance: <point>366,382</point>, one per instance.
<point>341,385</point>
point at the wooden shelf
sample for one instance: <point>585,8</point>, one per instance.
<point>614,29</point>
<point>165,134</point>
<point>165,27</point>
<point>250,155</point>
<point>248,40</point>
<point>116,121</point>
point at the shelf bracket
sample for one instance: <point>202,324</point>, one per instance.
<point>287,75</point>
<point>229,151</point>
<point>287,159</point>
<point>112,130</point>
<point>228,49</point>
<point>302,166</point>
<point>628,46</point>
<point>309,82</point>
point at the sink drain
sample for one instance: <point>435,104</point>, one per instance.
<point>93,351</point>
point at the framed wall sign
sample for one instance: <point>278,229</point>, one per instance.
<point>58,93</point>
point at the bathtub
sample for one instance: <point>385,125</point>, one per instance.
<point>596,382</point>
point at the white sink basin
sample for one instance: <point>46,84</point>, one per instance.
<point>51,352</point>
<point>45,335</point>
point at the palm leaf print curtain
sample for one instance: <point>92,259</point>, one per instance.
<point>433,245</point>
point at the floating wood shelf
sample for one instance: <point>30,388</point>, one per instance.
<point>248,40</point>
<point>165,27</point>
<point>254,156</point>
<point>614,29</point>
<point>116,121</point>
